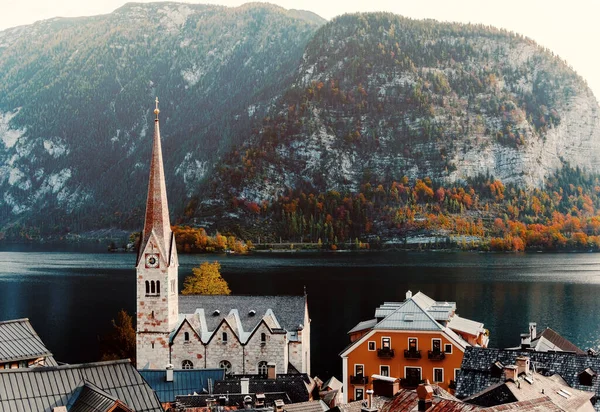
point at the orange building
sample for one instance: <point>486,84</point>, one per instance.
<point>408,342</point>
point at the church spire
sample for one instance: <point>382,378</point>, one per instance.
<point>157,209</point>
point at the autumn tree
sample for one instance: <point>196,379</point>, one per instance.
<point>206,280</point>
<point>119,343</point>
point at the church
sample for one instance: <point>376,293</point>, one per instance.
<point>247,335</point>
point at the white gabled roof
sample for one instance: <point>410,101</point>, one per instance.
<point>467,326</point>
<point>409,316</point>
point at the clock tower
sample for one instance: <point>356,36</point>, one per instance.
<point>156,268</point>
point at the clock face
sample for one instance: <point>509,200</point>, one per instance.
<point>152,260</point>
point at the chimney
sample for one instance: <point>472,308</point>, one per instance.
<point>522,365</point>
<point>369,407</point>
<point>169,375</point>
<point>425,394</point>
<point>511,373</point>
<point>245,386</point>
<point>408,295</point>
<point>271,370</point>
<point>525,340</point>
<point>279,405</point>
<point>533,330</point>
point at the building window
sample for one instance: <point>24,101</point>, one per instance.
<point>158,287</point>
<point>359,369</point>
<point>263,338</point>
<point>173,286</point>
<point>448,348</point>
<point>147,288</point>
<point>152,288</point>
<point>263,369</point>
<point>187,364</point>
<point>456,374</point>
<point>225,364</point>
<point>438,375</point>
<point>413,344</point>
<point>386,343</point>
<point>371,345</point>
<point>152,343</point>
<point>186,336</point>
<point>436,345</point>
<point>224,337</point>
<point>384,370</point>
<point>358,394</point>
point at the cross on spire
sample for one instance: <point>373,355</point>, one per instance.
<point>156,111</point>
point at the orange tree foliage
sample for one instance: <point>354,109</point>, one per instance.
<point>562,215</point>
<point>195,240</point>
<point>206,280</point>
<point>119,343</point>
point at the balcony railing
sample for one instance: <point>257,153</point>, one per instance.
<point>412,354</point>
<point>359,380</point>
<point>385,353</point>
<point>410,382</point>
<point>436,355</point>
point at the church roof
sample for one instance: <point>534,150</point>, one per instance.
<point>19,341</point>
<point>157,209</point>
<point>185,381</point>
<point>248,311</point>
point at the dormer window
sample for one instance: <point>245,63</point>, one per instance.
<point>252,313</point>
<point>586,377</point>
<point>496,369</point>
<point>217,312</point>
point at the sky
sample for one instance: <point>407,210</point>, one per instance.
<point>570,29</point>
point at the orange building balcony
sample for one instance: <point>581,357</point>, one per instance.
<point>412,354</point>
<point>436,355</point>
<point>385,353</point>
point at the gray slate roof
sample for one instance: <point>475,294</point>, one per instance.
<point>476,373</point>
<point>42,389</point>
<point>289,310</point>
<point>409,316</point>
<point>92,399</point>
<point>19,341</point>
<point>185,382</point>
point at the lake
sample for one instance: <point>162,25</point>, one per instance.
<point>70,296</point>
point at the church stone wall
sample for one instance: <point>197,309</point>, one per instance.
<point>153,349</point>
<point>192,350</point>
<point>232,350</point>
<point>274,349</point>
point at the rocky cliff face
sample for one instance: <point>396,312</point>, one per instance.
<point>76,101</point>
<point>378,97</point>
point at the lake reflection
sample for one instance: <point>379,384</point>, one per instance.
<point>71,297</point>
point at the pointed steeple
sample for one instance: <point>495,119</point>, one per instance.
<point>157,209</point>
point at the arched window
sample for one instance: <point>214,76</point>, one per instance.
<point>152,288</point>
<point>224,337</point>
<point>158,287</point>
<point>225,364</point>
<point>263,338</point>
<point>147,288</point>
<point>187,364</point>
<point>263,368</point>
<point>186,336</point>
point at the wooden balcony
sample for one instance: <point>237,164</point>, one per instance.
<point>359,380</point>
<point>436,355</point>
<point>412,354</point>
<point>385,353</point>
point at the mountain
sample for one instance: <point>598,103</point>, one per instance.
<point>76,101</point>
<point>378,97</point>
<point>258,102</point>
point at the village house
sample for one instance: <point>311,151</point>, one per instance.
<point>548,340</point>
<point>408,342</point>
<point>241,334</point>
<point>483,369</point>
<point>21,347</point>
